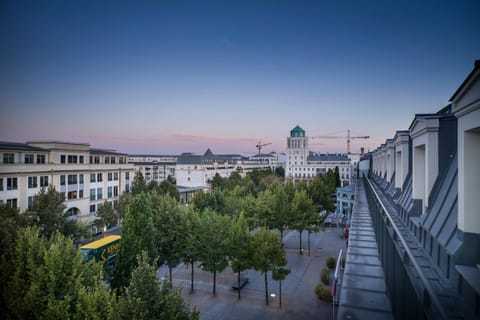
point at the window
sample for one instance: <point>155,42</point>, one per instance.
<point>80,159</point>
<point>12,184</point>
<point>80,178</point>
<point>109,176</point>
<point>12,203</point>
<point>91,159</point>
<point>120,160</point>
<point>30,202</point>
<point>112,160</point>
<point>99,177</point>
<point>97,160</point>
<point>72,179</point>
<point>107,159</point>
<point>127,187</point>
<point>99,193</point>
<point>1,184</point>
<point>72,159</point>
<point>32,182</point>
<point>62,180</point>
<point>92,208</point>
<point>29,158</point>
<point>43,181</point>
<point>115,191</point>
<point>72,195</point>
<point>99,206</point>
<point>115,176</point>
<point>8,158</point>
<point>127,175</point>
<point>110,192</point>
<point>92,194</point>
<point>40,158</point>
<point>80,194</point>
<point>92,177</point>
<point>62,158</point>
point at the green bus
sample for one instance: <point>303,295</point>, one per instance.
<point>105,249</point>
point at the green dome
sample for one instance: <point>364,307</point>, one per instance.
<point>297,132</point>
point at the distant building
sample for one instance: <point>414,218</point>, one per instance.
<point>86,176</point>
<point>301,164</point>
<point>345,199</point>
<point>198,170</point>
<point>154,167</point>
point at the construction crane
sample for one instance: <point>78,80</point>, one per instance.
<point>348,137</point>
<point>260,145</point>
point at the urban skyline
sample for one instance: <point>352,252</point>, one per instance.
<point>170,77</point>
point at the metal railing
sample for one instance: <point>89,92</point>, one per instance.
<point>429,295</point>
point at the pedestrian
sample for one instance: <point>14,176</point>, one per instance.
<point>346,234</point>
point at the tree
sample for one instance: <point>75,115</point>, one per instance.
<point>320,190</point>
<point>268,254</point>
<point>48,213</point>
<point>219,183</point>
<point>106,216</point>
<point>213,230</point>
<point>190,251</point>
<point>52,281</point>
<point>304,213</point>
<point>169,230</point>
<point>144,299</point>
<point>281,217</point>
<point>138,185</point>
<point>280,274</point>
<point>153,185</point>
<point>138,233</point>
<point>280,172</point>
<point>167,187</point>
<point>239,248</point>
<point>338,182</point>
<point>121,205</point>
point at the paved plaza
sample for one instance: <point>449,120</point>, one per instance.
<point>298,298</point>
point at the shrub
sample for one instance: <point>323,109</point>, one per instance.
<point>326,294</point>
<point>331,261</point>
<point>325,276</point>
<point>319,290</point>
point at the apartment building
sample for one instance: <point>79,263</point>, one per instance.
<point>302,164</point>
<point>86,176</point>
<point>154,167</point>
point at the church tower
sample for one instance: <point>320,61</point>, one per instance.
<point>297,152</point>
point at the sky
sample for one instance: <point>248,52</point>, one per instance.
<point>166,77</point>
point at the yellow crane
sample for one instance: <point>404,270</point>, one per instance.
<point>348,137</point>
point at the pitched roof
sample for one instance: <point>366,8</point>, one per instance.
<point>15,146</point>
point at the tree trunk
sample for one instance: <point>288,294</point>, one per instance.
<point>170,275</point>
<point>266,289</point>
<point>191,284</point>
<point>308,243</point>
<point>214,281</point>
<point>238,285</point>
<point>300,251</point>
<point>280,297</point>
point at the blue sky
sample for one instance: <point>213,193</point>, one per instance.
<point>178,76</point>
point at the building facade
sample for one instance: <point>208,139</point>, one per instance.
<point>154,167</point>
<point>301,164</point>
<point>86,176</point>
<point>423,196</point>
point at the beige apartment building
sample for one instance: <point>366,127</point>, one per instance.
<point>86,176</point>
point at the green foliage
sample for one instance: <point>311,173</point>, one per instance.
<point>138,233</point>
<point>169,229</point>
<point>167,187</point>
<point>280,172</point>
<point>303,212</point>
<point>144,299</point>
<point>219,183</point>
<point>331,262</point>
<point>214,200</point>
<point>323,292</point>
<point>121,204</point>
<point>213,230</point>
<point>52,281</point>
<point>106,216</point>
<point>325,276</point>
<point>138,185</point>
<point>48,213</point>
<point>320,191</point>
<point>338,182</point>
<point>190,251</point>
<point>268,254</point>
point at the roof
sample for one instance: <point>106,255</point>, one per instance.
<point>158,163</point>
<point>476,66</point>
<point>189,159</point>
<point>18,146</point>
<point>106,151</point>
<point>208,153</point>
<point>327,157</point>
<point>297,132</point>
<point>100,243</point>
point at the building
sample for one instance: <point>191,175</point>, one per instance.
<point>301,164</point>
<point>154,167</point>
<point>198,170</point>
<point>345,199</point>
<point>86,176</point>
<point>420,252</point>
